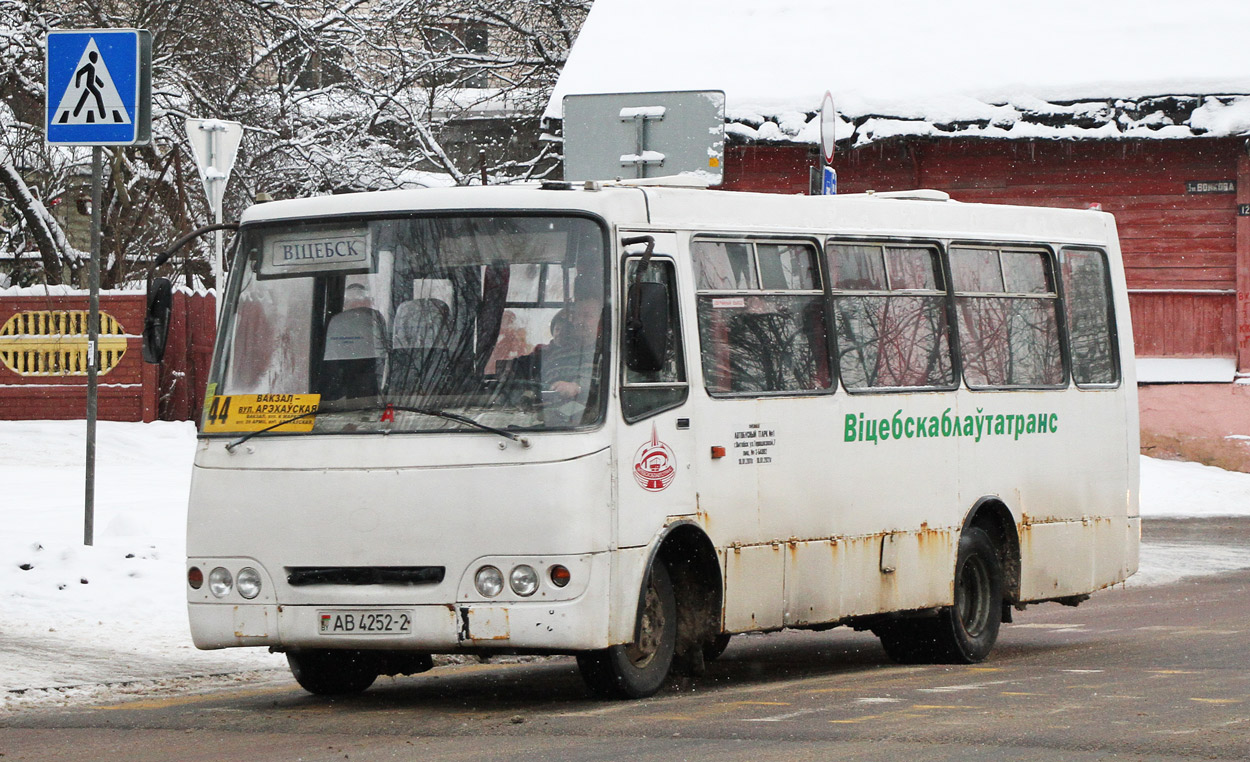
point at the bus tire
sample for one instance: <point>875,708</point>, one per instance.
<point>639,669</point>
<point>333,673</point>
<point>965,632</point>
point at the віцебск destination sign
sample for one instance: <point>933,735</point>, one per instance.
<point>316,252</point>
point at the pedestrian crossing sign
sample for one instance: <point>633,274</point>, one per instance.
<point>99,86</point>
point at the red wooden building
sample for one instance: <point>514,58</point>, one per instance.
<point>1180,207</point>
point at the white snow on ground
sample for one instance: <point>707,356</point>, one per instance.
<point>1177,489</point>
<point>75,615</point>
<point>93,622</point>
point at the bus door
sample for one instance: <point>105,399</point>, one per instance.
<point>766,368</point>
<point>655,444</point>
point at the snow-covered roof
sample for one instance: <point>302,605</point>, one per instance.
<point>1019,69</point>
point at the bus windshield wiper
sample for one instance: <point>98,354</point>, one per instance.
<point>235,443</point>
<point>524,441</point>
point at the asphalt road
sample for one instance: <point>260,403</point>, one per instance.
<point>1153,673</point>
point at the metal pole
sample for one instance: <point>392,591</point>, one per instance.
<point>215,200</point>
<point>219,272</point>
<point>93,339</point>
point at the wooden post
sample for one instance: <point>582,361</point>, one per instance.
<point>1243,260</point>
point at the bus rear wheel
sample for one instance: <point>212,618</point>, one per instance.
<point>965,632</point>
<point>638,670</point>
<point>333,673</point>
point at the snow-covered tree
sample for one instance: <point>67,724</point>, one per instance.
<point>334,95</point>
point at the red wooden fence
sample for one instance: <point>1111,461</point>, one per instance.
<point>43,350</point>
<point>1179,324</point>
<point>43,347</point>
<point>184,373</point>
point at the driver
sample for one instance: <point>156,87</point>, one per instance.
<point>566,363</point>
<point>565,366</point>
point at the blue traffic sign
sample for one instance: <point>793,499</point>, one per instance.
<point>98,87</point>
<point>829,182</point>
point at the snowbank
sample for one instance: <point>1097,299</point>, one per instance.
<point>1176,489</point>
<point>76,615</point>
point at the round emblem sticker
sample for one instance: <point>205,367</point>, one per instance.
<point>653,464</point>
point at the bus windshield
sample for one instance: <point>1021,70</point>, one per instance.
<point>497,319</point>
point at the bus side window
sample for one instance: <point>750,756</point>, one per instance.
<point>1087,295</point>
<point>645,393</point>
<point>761,317</point>
<point>889,305</point>
<point>1008,312</point>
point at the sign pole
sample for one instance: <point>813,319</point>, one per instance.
<point>93,340</point>
<point>98,90</point>
<point>828,140</point>
<point>216,198</point>
<point>219,271</point>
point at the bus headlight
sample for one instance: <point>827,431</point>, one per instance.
<point>524,580</point>
<point>220,582</point>
<point>488,581</point>
<point>248,583</point>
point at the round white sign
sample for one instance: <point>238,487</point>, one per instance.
<point>827,122</point>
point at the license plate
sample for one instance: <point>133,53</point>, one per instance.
<point>364,622</point>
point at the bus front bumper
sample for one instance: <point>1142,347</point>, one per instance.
<point>546,626</point>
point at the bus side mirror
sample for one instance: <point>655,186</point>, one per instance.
<point>647,327</point>
<point>156,322</point>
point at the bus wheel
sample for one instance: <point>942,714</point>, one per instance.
<point>964,633</point>
<point>639,669</point>
<point>333,673</point>
<point>968,630</point>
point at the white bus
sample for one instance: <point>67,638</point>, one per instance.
<point>626,422</point>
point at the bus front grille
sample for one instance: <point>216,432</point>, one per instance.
<point>298,576</point>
